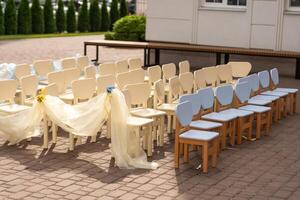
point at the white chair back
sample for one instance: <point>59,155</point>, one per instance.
<point>52,89</point>
<point>159,93</point>
<point>264,79</point>
<point>184,113</point>
<point>8,90</point>
<point>107,69</point>
<point>199,81</point>
<point>68,63</point>
<point>134,63</point>
<point>71,75</point>
<point>22,70</point>
<point>43,67</point>
<point>210,76</point>
<point>206,97</point>
<point>83,89</point>
<point>83,62</point>
<point>175,89</point>
<point>29,86</point>
<point>224,94</point>
<point>224,73</point>
<point>139,93</point>
<point>90,72</point>
<point>274,76</point>
<point>154,74</point>
<point>131,77</point>
<point>169,71</point>
<point>104,81</point>
<point>240,69</point>
<point>59,79</point>
<point>184,67</point>
<point>121,66</point>
<point>187,82</point>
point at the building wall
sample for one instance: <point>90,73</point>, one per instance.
<point>262,24</point>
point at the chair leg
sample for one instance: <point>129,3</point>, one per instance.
<point>268,123</point>
<point>176,156</point>
<point>223,135</point>
<point>240,124</point>
<point>205,157</point>
<point>180,148</point>
<point>161,130</point>
<point>71,138</point>
<point>232,132</point>
<point>94,138</point>
<point>169,124</point>
<point>214,152</point>
<point>258,125</point>
<point>295,103</point>
<point>108,127</point>
<point>186,153</point>
<point>54,133</point>
<point>79,140</point>
<point>149,148</point>
<point>45,123</point>
<point>250,127</point>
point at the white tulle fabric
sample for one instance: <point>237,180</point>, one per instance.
<point>84,119</point>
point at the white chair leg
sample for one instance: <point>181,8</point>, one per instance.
<point>45,123</point>
<point>71,137</point>
<point>161,131</point>
<point>94,138</point>
<point>79,140</point>
<point>108,127</point>
<point>149,148</point>
<point>54,133</point>
<point>169,124</point>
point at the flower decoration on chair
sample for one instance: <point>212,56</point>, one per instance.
<point>41,96</point>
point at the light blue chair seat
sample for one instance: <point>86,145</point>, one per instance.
<point>254,108</point>
<point>238,112</point>
<point>206,125</point>
<point>219,117</point>
<point>286,90</point>
<point>273,93</point>
<point>199,135</point>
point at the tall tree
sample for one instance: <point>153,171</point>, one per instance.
<point>10,18</point>
<point>105,22</point>
<point>24,18</point>
<point>37,21</point>
<point>49,17</point>
<point>83,18</point>
<point>71,17</point>
<point>114,13</point>
<point>60,17</point>
<point>123,8</point>
<point>95,17</point>
<point>2,28</point>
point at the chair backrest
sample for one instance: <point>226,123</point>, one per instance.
<point>121,66</point>
<point>184,113</point>
<point>224,97</point>
<point>131,77</point>
<point>8,90</point>
<point>22,70</point>
<point>184,66</point>
<point>43,67</point>
<point>224,73</point>
<point>68,63</point>
<point>90,72</point>
<point>83,89</point>
<point>187,82</point>
<point>134,63</point>
<point>159,93</point>
<point>154,74</point>
<point>240,69</point>
<point>127,98</point>
<point>29,86</point>
<point>71,75</point>
<point>83,62</point>
<point>264,79</point>
<point>107,69</point>
<point>175,89</point>
<point>59,79</point>
<point>199,81</point>
<point>104,81</point>
<point>242,92</point>
<point>274,76</point>
<point>139,93</point>
<point>253,81</point>
<point>210,76</point>
<point>169,71</point>
<point>52,89</point>
<point>206,97</point>
<point>193,98</point>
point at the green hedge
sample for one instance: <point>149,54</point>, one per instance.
<point>95,21</point>
<point>83,18</point>
<point>24,18</point>
<point>10,18</point>
<point>49,17</point>
<point>130,28</point>
<point>114,13</point>
<point>2,27</point>
<point>60,17</point>
<point>71,18</point>
<point>37,21</point>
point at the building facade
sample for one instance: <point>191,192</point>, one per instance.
<point>263,24</point>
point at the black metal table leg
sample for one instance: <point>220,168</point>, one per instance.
<point>145,57</point>
<point>157,56</point>
<point>148,57</point>
<point>218,58</point>
<point>84,49</point>
<point>226,58</point>
<point>97,54</point>
<point>297,75</point>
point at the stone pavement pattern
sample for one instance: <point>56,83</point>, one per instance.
<point>265,169</point>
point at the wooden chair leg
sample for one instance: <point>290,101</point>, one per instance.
<point>223,136</point>
<point>71,138</point>
<point>268,123</point>
<point>232,132</point>
<point>295,103</point>
<point>258,125</point>
<point>176,156</point>
<point>205,157</point>
<point>169,124</point>
<point>250,127</point>
<point>215,145</point>
<point>186,153</point>
<point>240,124</point>
<point>180,149</point>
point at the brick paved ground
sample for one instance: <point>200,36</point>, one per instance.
<point>264,169</point>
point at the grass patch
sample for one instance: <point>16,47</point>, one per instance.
<point>29,36</point>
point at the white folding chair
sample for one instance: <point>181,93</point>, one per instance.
<point>184,66</point>
<point>104,81</point>
<point>59,79</point>
<point>83,62</point>
<point>154,74</point>
<point>121,66</point>
<point>68,63</point>
<point>107,69</point>
<point>175,89</point>
<point>22,70</point>
<point>240,69</point>
<point>134,63</point>
<point>224,74</point>
<point>42,68</point>
<point>187,82</point>
<point>131,77</point>
<point>29,88</point>
<point>90,72</point>
<point>199,80</point>
<point>169,71</point>
<point>210,76</point>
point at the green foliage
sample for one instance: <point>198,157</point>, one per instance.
<point>95,17</point>
<point>24,18</point>
<point>60,17</point>
<point>114,13</point>
<point>71,18</point>
<point>105,22</point>
<point>123,8</point>
<point>49,17</point>
<point>2,29</point>
<point>109,36</point>
<point>129,28</point>
<point>83,18</point>
<point>37,21</point>
<point>10,18</point>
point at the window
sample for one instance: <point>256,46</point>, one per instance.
<point>293,5</point>
<point>224,3</point>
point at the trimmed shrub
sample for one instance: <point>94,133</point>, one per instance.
<point>83,18</point>
<point>95,17</point>
<point>71,18</point>
<point>105,22</point>
<point>24,18</point>
<point>60,17</point>
<point>129,28</point>
<point>114,13</point>
<point>123,8</point>
<point>49,17</point>
<point>2,29</point>
<point>37,21</point>
<point>10,18</point>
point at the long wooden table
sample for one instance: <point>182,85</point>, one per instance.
<point>218,50</point>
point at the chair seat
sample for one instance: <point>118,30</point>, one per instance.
<point>66,96</point>
<point>239,113</point>
<point>29,101</point>
<point>147,112</point>
<point>12,108</point>
<point>287,90</point>
<point>273,93</point>
<point>199,135</point>
<point>254,108</point>
<point>40,87</point>
<point>259,102</point>
<point>167,107</point>
<point>138,121</point>
<point>206,125</point>
<point>43,82</point>
<point>219,117</point>
<point>266,97</point>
